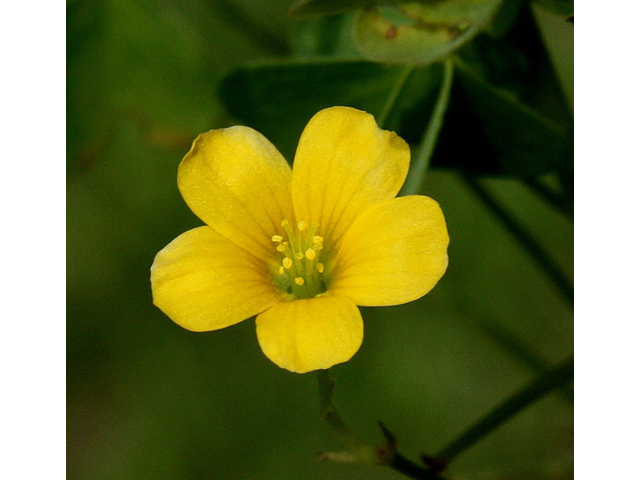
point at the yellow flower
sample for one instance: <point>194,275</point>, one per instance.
<point>301,247</point>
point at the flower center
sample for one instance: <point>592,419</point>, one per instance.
<point>301,271</point>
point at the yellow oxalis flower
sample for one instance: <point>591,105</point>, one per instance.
<point>301,247</point>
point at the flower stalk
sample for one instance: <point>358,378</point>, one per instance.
<point>361,452</point>
<point>420,164</point>
<point>394,94</point>
<point>388,455</point>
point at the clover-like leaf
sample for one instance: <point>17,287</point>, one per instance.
<point>278,98</point>
<point>561,7</point>
<point>420,32</point>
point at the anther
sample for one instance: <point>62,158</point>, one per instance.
<point>300,273</point>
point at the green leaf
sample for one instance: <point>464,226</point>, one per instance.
<point>502,135</point>
<point>503,19</point>
<point>561,7</point>
<point>520,64</point>
<point>420,33</point>
<point>510,105</point>
<point>278,99</point>
<point>487,130</point>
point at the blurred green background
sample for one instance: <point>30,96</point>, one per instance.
<point>149,400</point>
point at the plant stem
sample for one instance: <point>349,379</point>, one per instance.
<point>360,451</point>
<point>331,415</point>
<point>387,455</point>
<point>544,260</point>
<point>394,94</point>
<point>419,166</point>
<point>412,470</point>
<point>544,384</point>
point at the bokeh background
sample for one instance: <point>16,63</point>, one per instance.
<point>149,400</point>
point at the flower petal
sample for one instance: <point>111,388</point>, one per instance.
<point>204,282</point>
<point>344,164</point>
<point>394,253</point>
<point>236,181</point>
<point>310,334</point>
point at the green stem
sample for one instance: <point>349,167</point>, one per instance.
<point>360,451</point>
<point>553,379</point>
<point>405,466</point>
<point>544,260</point>
<point>394,94</point>
<point>387,455</point>
<point>419,166</point>
<point>331,415</point>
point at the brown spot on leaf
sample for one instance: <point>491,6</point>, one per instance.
<point>392,32</point>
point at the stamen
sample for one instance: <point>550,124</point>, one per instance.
<point>300,274</point>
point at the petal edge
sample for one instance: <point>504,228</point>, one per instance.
<point>204,282</point>
<point>238,183</point>
<point>344,164</point>
<point>394,253</point>
<point>310,334</point>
